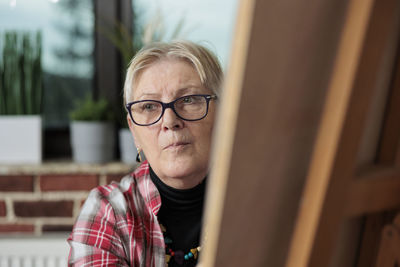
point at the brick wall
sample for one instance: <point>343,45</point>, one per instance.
<point>48,198</point>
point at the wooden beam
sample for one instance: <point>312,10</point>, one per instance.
<point>389,255</point>
<point>320,217</point>
<point>369,243</point>
<point>379,36</point>
<point>216,190</point>
<point>389,151</point>
<point>270,111</point>
<point>373,192</point>
<point>389,134</point>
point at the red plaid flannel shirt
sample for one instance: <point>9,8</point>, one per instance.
<point>118,225</point>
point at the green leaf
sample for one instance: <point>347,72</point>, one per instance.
<point>91,110</point>
<point>21,87</point>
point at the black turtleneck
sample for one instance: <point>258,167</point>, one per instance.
<point>181,214</point>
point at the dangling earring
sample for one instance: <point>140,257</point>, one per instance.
<point>138,156</point>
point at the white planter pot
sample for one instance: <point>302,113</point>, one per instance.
<point>20,139</point>
<point>92,142</point>
<point>127,146</point>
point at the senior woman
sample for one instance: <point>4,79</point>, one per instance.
<point>153,216</point>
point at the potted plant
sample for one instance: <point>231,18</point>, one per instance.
<point>21,94</point>
<point>127,146</point>
<point>92,131</point>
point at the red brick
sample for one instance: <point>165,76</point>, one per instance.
<point>16,228</point>
<point>56,228</point>
<point>22,183</point>
<point>114,177</point>
<point>3,210</point>
<point>68,182</point>
<point>43,208</point>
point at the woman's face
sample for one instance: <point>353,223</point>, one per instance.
<point>177,150</point>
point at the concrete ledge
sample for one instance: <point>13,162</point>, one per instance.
<point>66,167</point>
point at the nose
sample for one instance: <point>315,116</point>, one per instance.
<point>170,121</point>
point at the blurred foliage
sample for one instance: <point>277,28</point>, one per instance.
<point>72,76</point>
<point>92,110</point>
<point>76,32</point>
<point>61,92</point>
<point>21,85</point>
<point>154,30</point>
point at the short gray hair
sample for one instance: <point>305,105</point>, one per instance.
<point>201,58</point>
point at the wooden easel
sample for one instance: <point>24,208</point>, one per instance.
<point>389,249</point>
<point>286,178</point>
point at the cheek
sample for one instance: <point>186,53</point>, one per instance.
<point>203,135</point>
<point>146,137</point>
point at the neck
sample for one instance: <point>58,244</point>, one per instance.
<point>181,183</point>
<point>185,182</point>
<point>179,201</point>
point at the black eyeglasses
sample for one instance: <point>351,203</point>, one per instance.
<point>188,108</point>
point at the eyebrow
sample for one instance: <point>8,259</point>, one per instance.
<point>148,95</point>
<point>185,89</point>
<point>179,92</point>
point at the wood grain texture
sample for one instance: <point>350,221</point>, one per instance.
<point>224,136</point>
<point>375,191</point>
<point>270,112</point>
<point>322,206</point>
<point>267,139</point>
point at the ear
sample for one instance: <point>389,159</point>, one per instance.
<point>132,129</point>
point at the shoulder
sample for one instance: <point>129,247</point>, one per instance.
<point>116,193</point>
<point>127,182</point>
<point>108,217</point>
<point>142,172</point>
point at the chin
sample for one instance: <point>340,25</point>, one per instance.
<point>177,170</point>
<point>181,167</point>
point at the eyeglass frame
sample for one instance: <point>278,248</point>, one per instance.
<point>171,106</point>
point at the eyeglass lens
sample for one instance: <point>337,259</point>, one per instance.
<point>188,108</point>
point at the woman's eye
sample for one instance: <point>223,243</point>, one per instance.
<point>187,99</point>
<point>148,107</point>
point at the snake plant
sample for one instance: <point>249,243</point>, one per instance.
<point>21,86</point>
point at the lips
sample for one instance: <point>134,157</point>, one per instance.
<point>176,145</point>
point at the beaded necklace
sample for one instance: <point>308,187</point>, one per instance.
<point>179,256</point>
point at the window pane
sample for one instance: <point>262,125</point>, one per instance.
<point>210,22</point>
<point>67,57</point>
